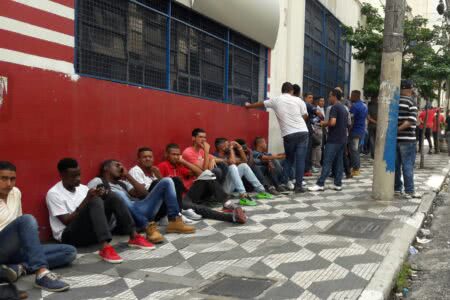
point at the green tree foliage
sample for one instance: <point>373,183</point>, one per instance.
<point>421,62</point>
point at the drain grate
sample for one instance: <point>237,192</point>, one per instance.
<point>359,227</point>
<point>238,287</point>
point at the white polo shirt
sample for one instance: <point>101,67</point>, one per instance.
<point>289,111</point>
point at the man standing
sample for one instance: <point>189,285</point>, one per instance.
<point>336,141</point>
<point>437,123</point>
<point>406,142</point>
<point>20,250</point>
<point>372,123</point>
<point>358,112</point>
<point>80,216</point>
<point>290,112</point>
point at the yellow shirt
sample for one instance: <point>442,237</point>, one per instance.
<point>11,209</point>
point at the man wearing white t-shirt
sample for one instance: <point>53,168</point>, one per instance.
<point>21,251</point>
<point>79,216</point>
<point>290,112</point>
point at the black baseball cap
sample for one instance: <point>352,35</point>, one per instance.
<point>406,84</point>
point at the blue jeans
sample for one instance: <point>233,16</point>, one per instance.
<point>353,144</point>
<point>145,210</point>
<point>233,179</point>
<point>296,148</point>
<point>20,244</point>
<point>332,154</point>
<point>404,163</point>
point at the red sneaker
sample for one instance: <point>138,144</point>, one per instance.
<point>110,255</point>
<point>308,174</point>
<point>140,242</point>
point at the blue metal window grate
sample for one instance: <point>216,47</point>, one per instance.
<point>327,56</point>
<point>161,44</point>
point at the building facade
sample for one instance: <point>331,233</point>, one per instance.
<point>96,79</point>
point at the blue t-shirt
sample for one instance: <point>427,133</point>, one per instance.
<point>359,112</point>
<point>337,134</point>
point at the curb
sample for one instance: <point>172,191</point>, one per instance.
<point>382,282</point>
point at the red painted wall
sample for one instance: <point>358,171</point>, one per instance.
<point>47,116</point>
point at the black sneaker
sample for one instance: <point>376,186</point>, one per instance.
<point>51,282</point>
<point>299,190</point>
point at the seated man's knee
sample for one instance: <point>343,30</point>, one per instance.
<point>71,252</point>
<point>167,181</point>
<point>27,220</point>
<point>95,202</point>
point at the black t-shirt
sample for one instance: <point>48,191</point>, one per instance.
<point>373,113</point>
<point>447,120</point>
<point>337,134</point>
<point>311,114</point>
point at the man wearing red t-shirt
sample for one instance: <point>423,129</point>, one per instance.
<point>199,190</point>
<point>428,127</point>
<point>437,127</point>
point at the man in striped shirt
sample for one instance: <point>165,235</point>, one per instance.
<point>406,141</point>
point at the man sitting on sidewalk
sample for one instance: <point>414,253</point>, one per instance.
<point>238,168</point>
<point>270,164</point>
<point>199,189</point>
<point>21,251</point>
<point>80,216</point>
<point>142,204</point>
<point>149,175</point>
<point>337,139</point>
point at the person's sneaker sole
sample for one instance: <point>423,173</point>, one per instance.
<point>141,247</point>
<point>8,274</point>
<point>180,231</point>
<point>112,261</point>
<point>51,290</point>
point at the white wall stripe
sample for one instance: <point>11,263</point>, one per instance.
<point>51,7</point>
<point>34,61</point>
<point>36,31</point>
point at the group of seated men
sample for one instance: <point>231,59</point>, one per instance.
<point>119,201</point>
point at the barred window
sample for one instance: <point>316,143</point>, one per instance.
<point>164,45</point>
<point>327,55</point>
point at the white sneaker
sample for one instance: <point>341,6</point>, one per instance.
<point>164,221</point>
<point>290,185</point>
<point>316,188</point>
<point>337,188</point>
<point>190,214</point>
<point>414,195</point>
<point>186,220</point>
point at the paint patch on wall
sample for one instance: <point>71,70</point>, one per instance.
<point>3,89</point>
<point>390,147</point>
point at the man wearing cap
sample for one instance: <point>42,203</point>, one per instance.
<point>406,142</point>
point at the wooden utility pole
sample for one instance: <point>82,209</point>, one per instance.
<point>388,101</point>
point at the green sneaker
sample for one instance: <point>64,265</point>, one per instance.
<point>247,201</point>
<point>264,195</point>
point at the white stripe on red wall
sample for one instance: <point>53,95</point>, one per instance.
<point>36,31</point>
<point>50,7</point>
<point>34,61</point>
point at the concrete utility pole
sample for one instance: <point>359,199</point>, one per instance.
<point>388,100</point>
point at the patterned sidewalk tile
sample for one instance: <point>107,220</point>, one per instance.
<point>283,240</point>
